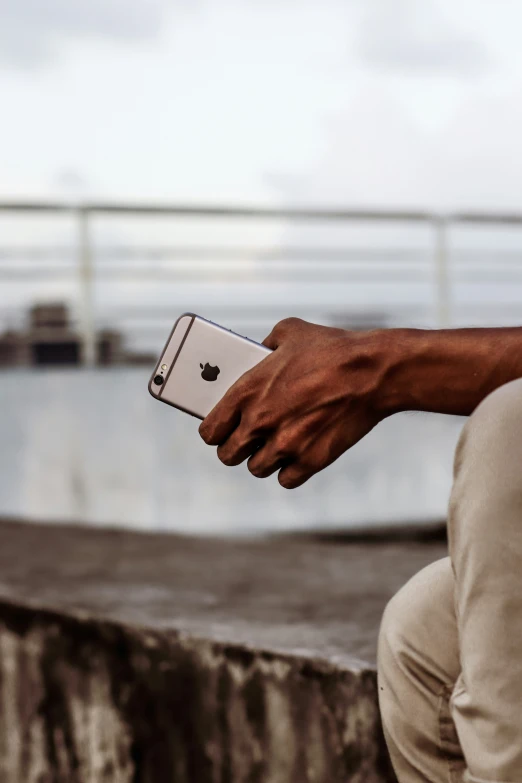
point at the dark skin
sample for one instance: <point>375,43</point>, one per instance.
<point>323,389</point>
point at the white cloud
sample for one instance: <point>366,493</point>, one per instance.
<point>333,102</point>
<point>408,35</point>
<point>32,30</point>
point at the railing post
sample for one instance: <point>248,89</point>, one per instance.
<point>441,225</point>
<point>88,336</point>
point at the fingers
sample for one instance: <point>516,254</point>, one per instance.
<point>266,454</point>
<point>295,476</point>
<point>292,472</point>
<point>224,417</point>
<point>220,423</point>
<point>238,439</point>
<point>226,414</point>
<point>238,447</point>
<point>279,453</point>
<point>264,462</point>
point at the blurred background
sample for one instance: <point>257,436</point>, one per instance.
<point>354,163</point>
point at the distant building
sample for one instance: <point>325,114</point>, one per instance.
<point>110,347</point>
<point>50,337</point>
<point>143,358</point>
<point>51,340</point>
<point>14,350</point>
<point>49,316</point>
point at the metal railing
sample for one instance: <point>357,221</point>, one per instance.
<point>438,225</point>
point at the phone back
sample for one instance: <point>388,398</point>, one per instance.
<point>202,361</point>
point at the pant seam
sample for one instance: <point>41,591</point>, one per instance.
<point>472,779</point>
<point>444,716</point>
<point>453,770</point>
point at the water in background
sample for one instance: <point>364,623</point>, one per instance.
<point>93,446</point>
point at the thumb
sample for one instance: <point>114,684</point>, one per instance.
<point>270,342</point>
<point>282,330</point>
<point>273,340</point>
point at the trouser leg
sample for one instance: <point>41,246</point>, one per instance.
<point>484,664</point>
<point>485,545</point>
<point>418,665</point>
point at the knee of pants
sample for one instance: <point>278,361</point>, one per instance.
<point>408,645</point>
<point>389,630</point>
<point>394,676</point>
<point>496,419</point>
<point>399,629</point>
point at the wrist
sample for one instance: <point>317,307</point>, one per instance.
<point>422,370</point>
<point>432,370</point>
<point>379,367</point>
<point>399,357</point>
<point>442,370</point>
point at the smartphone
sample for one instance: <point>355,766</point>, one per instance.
<point>200,362</point>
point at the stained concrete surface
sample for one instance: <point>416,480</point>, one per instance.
<point>321,595</point>
<point>143,657</point>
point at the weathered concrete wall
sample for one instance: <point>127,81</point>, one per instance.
<point>146,658</point>
<point>83,701</point>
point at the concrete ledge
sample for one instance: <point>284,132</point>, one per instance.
<point>432,531</point>
<point>163,659</point>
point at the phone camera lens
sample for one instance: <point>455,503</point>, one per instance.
<point>158,380</point>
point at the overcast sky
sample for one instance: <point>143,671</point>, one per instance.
<point>347,102</point>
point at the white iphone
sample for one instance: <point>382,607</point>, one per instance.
<point>200,362</point>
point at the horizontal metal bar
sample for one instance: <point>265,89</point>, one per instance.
<point>235,211</point>
<point>258,254</point>
<point>262,308</point>
<point>212,211</point>
<point>263,276</point>
<point>214,254</point>
<point>241,275</point>
<point>474,276</point>
<point>268,310</point>
<point>501,218</point>
<point>37,206</point>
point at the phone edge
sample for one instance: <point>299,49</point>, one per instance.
<point>193,316</point>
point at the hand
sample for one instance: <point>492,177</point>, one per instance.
<point>302,406</point>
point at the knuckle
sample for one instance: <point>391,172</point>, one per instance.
<point>305,465</point>
<point>255,464</point>
<point>258,424</point>
<point>284,445</point>
<point>239,390</point>
<point>288,323</point>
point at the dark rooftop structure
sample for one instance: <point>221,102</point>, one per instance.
<point>51,339</point>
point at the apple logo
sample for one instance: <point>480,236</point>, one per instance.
<point>209,373</point>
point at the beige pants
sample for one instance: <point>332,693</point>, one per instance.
<point>450,642</point>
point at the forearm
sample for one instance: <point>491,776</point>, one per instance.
<point>444,371</point>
